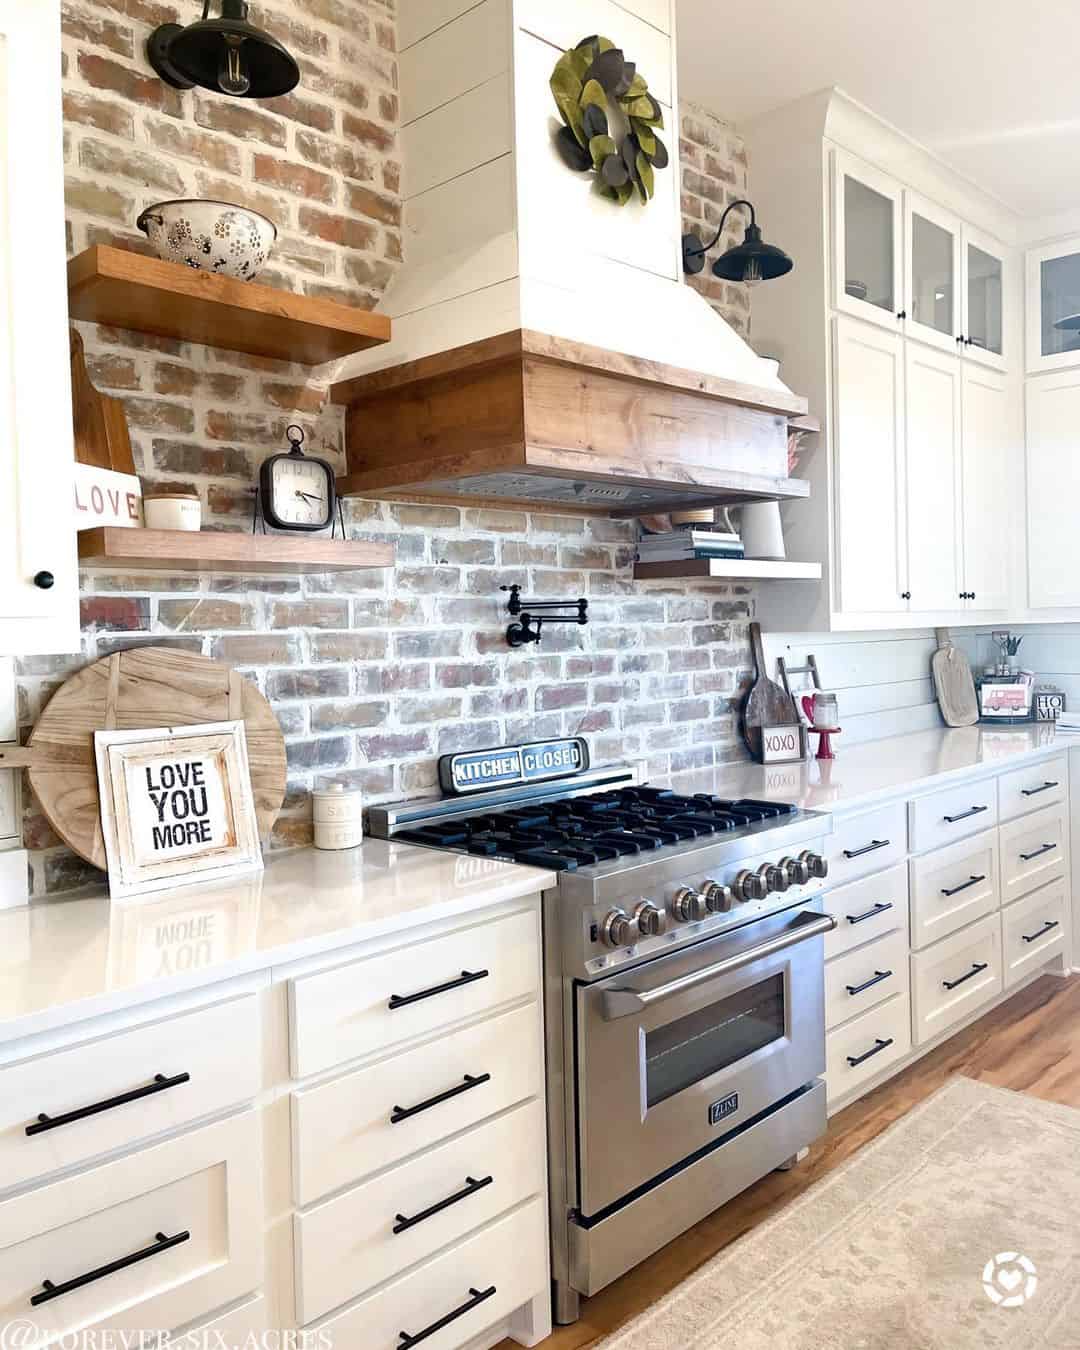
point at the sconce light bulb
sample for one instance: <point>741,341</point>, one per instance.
<point>233,76</point>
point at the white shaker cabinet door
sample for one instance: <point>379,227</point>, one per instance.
<point>871,516</point>
<point>1053,473</point>
<point>993,447</point>
<point>932,442</point>
<point>38,577</point>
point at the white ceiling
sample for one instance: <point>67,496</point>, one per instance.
<point>991,86</point>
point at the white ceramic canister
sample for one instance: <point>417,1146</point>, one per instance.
<point>762,532</point>
<point>338,815</point>
<point>172,510</point>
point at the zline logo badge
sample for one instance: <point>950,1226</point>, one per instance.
<point>1009,1279</point>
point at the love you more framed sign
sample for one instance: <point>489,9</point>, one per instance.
<point>176,806</point>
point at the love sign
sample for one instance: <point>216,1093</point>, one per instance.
<point>176,806</point>
<point>782,744</point>
<point>105,497</point>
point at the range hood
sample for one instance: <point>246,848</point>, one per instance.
<point>544,345</point>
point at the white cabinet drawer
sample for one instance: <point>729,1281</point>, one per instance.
<point>954,978</point>
<point>868,842</point>
<point>238,1329</point>
<point>860,1050</point>
<point>865,977</point>
<point>346,1129</point>
<point>1034,850</point>
<point>373,1232</point>
<point>1033,931</point>
<point>469,1288</point>
<point>395,996</point>
<point>866,909</point>
<point>201,1190</point>
<point>952,814</point>
<point>953,887</point>
<point>1031,788</point>
<point>172,1073</point>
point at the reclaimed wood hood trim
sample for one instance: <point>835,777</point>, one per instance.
<point>525,342</point>
<point>493,419</point>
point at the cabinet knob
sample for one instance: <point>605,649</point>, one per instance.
<point>902,314</point>
<point>44,581</point>
<point>905,595</point>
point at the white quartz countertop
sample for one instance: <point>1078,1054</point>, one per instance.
<point>66,960</point>
<point>875,770</point>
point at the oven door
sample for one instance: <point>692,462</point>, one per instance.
<point>673,1055</point>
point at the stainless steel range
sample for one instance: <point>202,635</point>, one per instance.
<point>684,989</point>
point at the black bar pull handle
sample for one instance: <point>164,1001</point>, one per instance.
<point>1034,792</point>
<point>161,1243</point>
<point>160,1084</point>
<point>975,970</point>
<point>878,1046</point>
<point>466,977</point>
<point>1046,848</point>
<point>877,977</point>
<point>872,847</point>
<point>470,1081</point>
<point>476,1297</point>
<point>964,886</point>
<point>965,815</point>
<point>879,908</point>
<point>1047,927</point>
<point>405,1222</point>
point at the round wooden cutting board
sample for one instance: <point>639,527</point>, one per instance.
<point>143,688</point>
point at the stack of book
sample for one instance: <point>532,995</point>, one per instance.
<point>681,545</point>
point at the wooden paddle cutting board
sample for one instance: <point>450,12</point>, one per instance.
<point>954,683</point>
<point>766,704</point>
<point>132,690</point>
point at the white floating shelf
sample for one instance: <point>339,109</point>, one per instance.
<point>727,569</point>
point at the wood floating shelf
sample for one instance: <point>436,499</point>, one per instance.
<point>728,569</point>
<point>212,551</point>
<point>128,290</point>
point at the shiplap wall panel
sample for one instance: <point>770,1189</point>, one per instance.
<point>657,12</point>
<point>471,50</point>
<point>882,681</point>
<point>461,135</point>
<point>460,237</point>
<point>417,18</point>
<point>561,214</point>
<point>563,23</point>
<point>453,323</point>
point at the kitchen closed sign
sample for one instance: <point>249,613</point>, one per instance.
<point>176,805</point>
<point>476,770</point>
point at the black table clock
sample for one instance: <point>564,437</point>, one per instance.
<point>297,491</point>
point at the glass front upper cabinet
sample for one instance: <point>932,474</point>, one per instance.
<point>868,229</point>
<point>1053,306</point>
<point>983,324</point>
<point>932,266</point>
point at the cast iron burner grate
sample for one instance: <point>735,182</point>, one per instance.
<point>574,832</point>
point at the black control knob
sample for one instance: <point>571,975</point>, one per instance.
<point>815,863</point>
<point>650,920</point>
<point>750,886</point>
<point>798,871</point>
<point>719,899</point>
<point>777,878</point>
<point>688,905</point>
<point>44,581</point>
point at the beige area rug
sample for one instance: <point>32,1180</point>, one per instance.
<point>890,1249</point>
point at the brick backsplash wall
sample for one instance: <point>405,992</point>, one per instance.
<point>373,674</point>
<point>714,173</point>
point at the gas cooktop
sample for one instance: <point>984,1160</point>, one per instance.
<point>571,832</point>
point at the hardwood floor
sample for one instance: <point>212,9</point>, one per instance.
<point>1031,1043</point>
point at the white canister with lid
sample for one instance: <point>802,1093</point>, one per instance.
<point>338,815</point>
<point>165,510</point>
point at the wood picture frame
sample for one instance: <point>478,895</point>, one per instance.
<point>784,744</point>
<point>176,806</point>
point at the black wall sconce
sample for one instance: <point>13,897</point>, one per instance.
<point>228,55</point>
<point>528,626</point>
<point>751,261</point>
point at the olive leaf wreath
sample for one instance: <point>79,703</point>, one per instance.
<point>583,80</point>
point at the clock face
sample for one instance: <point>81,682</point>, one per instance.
<point>301,493</point>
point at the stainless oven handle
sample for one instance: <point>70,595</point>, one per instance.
<point>625,1002</point>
